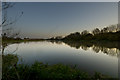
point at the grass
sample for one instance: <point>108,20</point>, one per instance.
<point>40,71</point>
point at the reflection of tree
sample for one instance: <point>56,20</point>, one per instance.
<point>112,52</point>
<point>104,50</point>
<point>4,45</point>
<point>58,42</point>
<point>84,47</point>
<point>96,49</point>
<point>78,44</point>
<point>108,48</point>
<point>73,44</point>
<point>55,41</point>
<point>108,51</point>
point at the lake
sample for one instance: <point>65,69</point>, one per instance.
<point>88,57</point>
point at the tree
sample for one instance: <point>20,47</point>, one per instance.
<point>96,31</point>
<point>85,32</point>
<point>118,27</point>
<point>73,36</point>
<point>8,22</point>
<point>104,30</point>
<point>7,30</point>
<point>112,28</point>
<point>58,37</point>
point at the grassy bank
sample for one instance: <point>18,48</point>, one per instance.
<point>40,71</point>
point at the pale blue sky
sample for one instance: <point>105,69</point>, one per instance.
<point>43,20</point>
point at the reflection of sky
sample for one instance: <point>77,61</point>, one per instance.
<point>58,53</point>
<point>51,19</point>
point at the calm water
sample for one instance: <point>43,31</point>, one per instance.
<point>87,58</point>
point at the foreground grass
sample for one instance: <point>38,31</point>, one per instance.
<point>40,71</point>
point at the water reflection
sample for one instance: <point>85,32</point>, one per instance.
<point>109,48</point>
<point>82,54</point>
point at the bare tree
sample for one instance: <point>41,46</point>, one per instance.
<point>7,23</point>
<point>7,30</point>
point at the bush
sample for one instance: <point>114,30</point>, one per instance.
<point>40,71</point>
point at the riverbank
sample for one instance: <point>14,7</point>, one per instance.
<point>40,71</point>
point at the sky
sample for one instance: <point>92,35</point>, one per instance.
<point>49,19</point>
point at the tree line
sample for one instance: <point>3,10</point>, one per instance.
<point>111,33</point>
